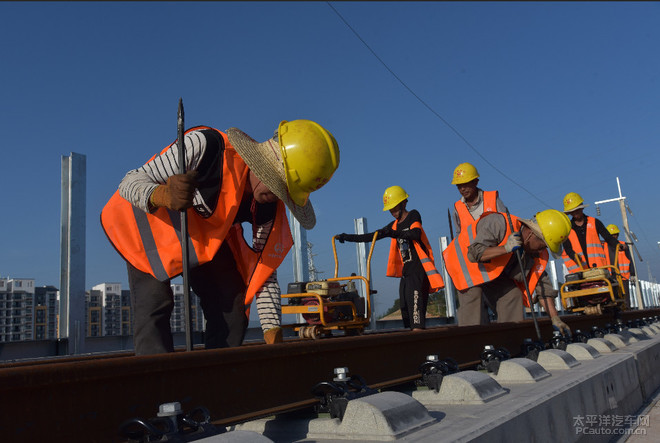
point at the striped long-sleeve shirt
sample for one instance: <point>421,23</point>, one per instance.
<point>203,154</point>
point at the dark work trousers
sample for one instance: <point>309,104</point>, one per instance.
<point>501,295</point>
<point>221,292</point>
<point>413,298</point>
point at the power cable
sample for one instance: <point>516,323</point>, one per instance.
<point>427,106</point>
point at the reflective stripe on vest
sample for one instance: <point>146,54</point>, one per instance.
<point>466,274</point>
<point>395,262</point>
<point>595,250</point>
<point>464,215</point>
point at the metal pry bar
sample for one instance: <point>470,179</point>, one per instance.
<point>184,232</point>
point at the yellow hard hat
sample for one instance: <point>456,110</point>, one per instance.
<point>310,155</point>
<point>573,201</point>
<point>613,229</point>
<point>464,173</point>
<point>555,227</point>
<point>393,196</point>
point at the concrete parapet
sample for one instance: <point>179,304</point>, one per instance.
<point>647,357</point>
<point>556,359</point>
<point>466,387</point>
<point>601,345</point>
<point>236,437</point>
<point>582,351</point>
<point>520,370</point>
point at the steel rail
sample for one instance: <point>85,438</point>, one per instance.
<point>88,398</point>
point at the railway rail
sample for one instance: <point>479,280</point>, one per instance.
<point>88,398</point>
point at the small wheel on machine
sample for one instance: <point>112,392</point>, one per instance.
<point>315,332</point>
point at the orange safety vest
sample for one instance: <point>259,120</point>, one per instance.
<point>466,274</point>
<point>623,262</point>
<point>395,262</point>
<point>466,219</point>
<point>594,249</point>
<point>152,242</point>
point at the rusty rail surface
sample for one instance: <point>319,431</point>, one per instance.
<point>88,398</point>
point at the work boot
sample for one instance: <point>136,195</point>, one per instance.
<point>273,335</point>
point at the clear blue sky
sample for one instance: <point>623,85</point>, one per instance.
<point>551,97</point>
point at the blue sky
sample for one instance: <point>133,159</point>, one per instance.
<point>544,98</point>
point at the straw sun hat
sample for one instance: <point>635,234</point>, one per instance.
<point>265,160</point>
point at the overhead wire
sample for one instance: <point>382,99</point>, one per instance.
<point>433,111</point>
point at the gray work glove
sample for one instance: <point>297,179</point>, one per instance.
<point>633,279</point>
<point>513,242</point>
<point>561,326</point>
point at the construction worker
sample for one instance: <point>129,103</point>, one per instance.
<point>623,261</point>
<point>583,248</point>
<point>410,257</point>
<point>231,179</point>
<point>474,201</point>
<point>482,263</point>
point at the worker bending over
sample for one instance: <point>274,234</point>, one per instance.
<point>231,179</point>
<point>410,258</point>
<point>482,263</point>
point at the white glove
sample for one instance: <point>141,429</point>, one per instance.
<point>513,242</point>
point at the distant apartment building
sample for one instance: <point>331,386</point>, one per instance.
<point>26,312</point>
<point>108,311</point>
<point>46,304</point>
<point>177,322</point>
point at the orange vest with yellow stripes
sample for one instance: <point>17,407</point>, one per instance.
<point>466,219</point>
<point>395,262</point>
<point>152,242</point>
<point>594,249</point>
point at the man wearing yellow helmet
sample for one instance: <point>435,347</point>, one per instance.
<point>411,257</point>
<point>482,264</point>
<point>623,261</point>
<point>583,246</point>
<point>231,179</point>
<point>474,201</point>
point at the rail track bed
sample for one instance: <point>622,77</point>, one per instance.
<point>87,398</point>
